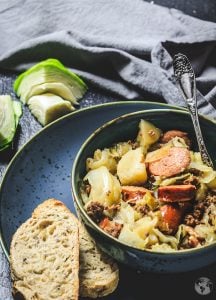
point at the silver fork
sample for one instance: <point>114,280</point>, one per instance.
<point>185,76</point>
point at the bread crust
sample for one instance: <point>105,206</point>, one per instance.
<point>99,274</point>
<point>44,254</point>
<point>92,273</point>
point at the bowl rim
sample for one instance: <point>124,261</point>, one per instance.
<point>78,201</point>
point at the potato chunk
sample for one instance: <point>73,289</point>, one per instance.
<point>131,168</point>
<point>148,134</point>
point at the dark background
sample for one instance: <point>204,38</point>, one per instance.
<point>202,9</point>
<point>133,286</point>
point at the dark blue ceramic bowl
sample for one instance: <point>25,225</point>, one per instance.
<point>123,129</point>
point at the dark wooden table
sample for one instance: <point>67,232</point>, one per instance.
<point>133,285</point>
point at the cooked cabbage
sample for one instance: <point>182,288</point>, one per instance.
<point>207,174</point>
<point>162,248</point>
<point>212,184</point>
<point>157,154</point>
<point>126,215</point>
<point>105,188</point>
<point>102,158</point>
<point>168,239</point>
<point>207,232</point>
<point>131,238</point>
<point>210,216</point>
<point>149,200</point>
<point>201,192</point>
<point>144,226</point>
<point>172,180</point>
<point>118,150</point>
<point>178,142</point>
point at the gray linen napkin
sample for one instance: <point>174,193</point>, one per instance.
<point>120,45</point>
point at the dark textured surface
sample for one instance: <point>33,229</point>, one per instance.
<point>202,9</point>
<point>28,124</point>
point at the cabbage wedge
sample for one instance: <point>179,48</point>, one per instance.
<point>49,76</point>
<point>48,107</point>
<point>10,113</point>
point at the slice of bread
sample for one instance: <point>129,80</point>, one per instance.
<point>98,274</point>
<point>44,254</point>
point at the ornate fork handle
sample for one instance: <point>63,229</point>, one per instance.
<point>192,107</point>
<point>187,85</point>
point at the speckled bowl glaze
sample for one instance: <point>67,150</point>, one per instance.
<point>122,129</point>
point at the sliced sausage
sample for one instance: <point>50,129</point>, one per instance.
<point>171,218</point>
<point>111,227</point>
<point>172,215</point>
<point>177,160</point>
<point>167,136</point>
<point>176,193</point>
<point>133,193</point>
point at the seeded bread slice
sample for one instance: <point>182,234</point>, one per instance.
<point>44,254</point>
<point>98,273</point>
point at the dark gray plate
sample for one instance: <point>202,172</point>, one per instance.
<point>42,168</point>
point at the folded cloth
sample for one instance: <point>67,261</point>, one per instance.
<point>121,45</point>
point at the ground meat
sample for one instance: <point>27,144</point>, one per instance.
<point>133,144</point>
<point>195,172</point>
<point>155,146</point>
<point>95,210</point>
<point>144,209</point>
<point>111,227</point>
<point>211,220</point>
<point>87,187</point>
<point>194,241</point>
<point>191,240</point>
<point>194,217</point>
<point>149,184</point>
<point>190,220</point>
<point>194,180</point>
<point>199,210</point>
<point>210,199</point>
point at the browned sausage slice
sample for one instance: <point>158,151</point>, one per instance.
<point>167,136</point>
<point>133,193</point>
<point>177,160</point>
<point>171,218</point>
<point>176,193</point>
